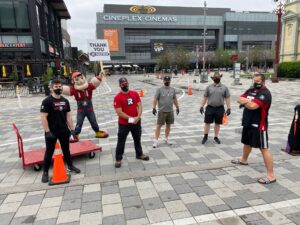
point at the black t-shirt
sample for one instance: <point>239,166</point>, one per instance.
<point>57,113</point>
<point>258,117</point>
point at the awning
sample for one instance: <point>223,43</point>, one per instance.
<point>126,66</point>
<point>60,8</point>
<point>107,66</point>
<point>116,66</point>
<point>135,65</point>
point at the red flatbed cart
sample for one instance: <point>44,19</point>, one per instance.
<point>35,157</point>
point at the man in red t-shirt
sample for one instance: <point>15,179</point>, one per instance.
<point>128,107</point>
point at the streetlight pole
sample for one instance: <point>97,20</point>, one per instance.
<point>279,12</point>
<point>204,76</point>
<point>247,62</point>
<point>197,60</point>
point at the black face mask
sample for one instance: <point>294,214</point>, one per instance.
<point>257,85</point>
<point>167,84</point>
<point>217,80</point>
<point>125,88</point>
<point>58,91</point>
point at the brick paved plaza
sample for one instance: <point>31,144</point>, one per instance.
<point>187,183</point>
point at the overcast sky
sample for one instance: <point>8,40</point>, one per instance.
<point>82,25</point>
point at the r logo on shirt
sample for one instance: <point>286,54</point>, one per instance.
<point>129,101</point>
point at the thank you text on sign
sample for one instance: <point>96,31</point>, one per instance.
<point>98,50</point>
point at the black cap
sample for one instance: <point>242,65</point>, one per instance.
<point>123,81</point>
<point>167,78</point>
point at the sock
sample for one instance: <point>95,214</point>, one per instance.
<point>205,135</point>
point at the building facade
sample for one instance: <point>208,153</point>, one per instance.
<point>290,39</point>
<point>30,30</point>
<point>138,34</point>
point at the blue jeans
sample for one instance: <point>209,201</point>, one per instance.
<point>85,109</point>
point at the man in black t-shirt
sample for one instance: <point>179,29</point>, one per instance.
<point>256,102</point>
<point>57,123</point>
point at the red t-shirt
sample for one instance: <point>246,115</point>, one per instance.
<point>128,103</point>
<point>83,95</point>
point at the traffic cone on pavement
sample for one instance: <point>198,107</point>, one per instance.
<point>142,94</point>
<point>60,175</point>
<point>190,91</point>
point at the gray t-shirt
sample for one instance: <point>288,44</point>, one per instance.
<point>216,93</point>
<point>165,97</point>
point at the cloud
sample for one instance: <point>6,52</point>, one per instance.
<point>82,25</point>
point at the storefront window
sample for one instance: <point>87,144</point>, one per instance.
<point>14,15</point>
<point>21,13</point>
<point>7,16</point>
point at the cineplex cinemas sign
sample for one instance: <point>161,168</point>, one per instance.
<point>157,19</point>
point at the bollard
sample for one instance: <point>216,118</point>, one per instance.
<point>19,97</point>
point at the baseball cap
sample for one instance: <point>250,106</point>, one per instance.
<point>123,81</point>
<point>167,78</point>
<point>76,74</point>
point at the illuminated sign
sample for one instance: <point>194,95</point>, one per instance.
<point>142,9</point>
<point>51,49</point>
<point>15,45</point>
<point>157,19</point>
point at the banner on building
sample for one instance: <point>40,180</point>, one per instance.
<point>112,36</point>
<point>98,50</point>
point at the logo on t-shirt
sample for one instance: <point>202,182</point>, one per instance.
<point>129,101</point>
<point>262,97</point>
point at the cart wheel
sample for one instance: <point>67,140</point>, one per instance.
<point>92,155</point>
<point>37,167</point>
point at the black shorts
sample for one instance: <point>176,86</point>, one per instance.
<point>255,138</point>
<point>214,114</point>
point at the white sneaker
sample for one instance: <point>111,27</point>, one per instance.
<point>155,144</point>
<point>168,142</point>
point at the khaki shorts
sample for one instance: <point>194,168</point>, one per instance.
<point>165,117</point>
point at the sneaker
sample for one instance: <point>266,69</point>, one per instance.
<point>217,140</point>
<point>118,164</point>
<point>45,177</point>
<point>155,144</point>
<point>204,140</point>
<point>143,157</point>
<point>74,169</point>
<point>168,142</point>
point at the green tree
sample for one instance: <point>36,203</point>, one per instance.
<point>182,57</point>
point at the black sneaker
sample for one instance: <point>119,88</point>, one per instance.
<point>45,177</point>
<point>143,157</point>
<point>118,164</point>
<point>74,169</point>
<point>204,140</point>
<point>217,140</point>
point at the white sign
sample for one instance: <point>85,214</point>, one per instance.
<point>98,50</point>
<point>142,18</point>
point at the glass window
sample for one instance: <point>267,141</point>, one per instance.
<point>21,12</point>
<point>9,39</point>
<point>7,16</point>
<point>25,39</point>
<point>37,8</point>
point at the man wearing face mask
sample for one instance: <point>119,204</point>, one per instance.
<point>128,107</point>
<point>215,95</point>
<point>256,102</point>
<point>58,125</point>
<point>165,97</point>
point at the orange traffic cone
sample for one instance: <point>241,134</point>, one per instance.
<point>190,91</point>
<point>142,94</point>
<point>60,175</point>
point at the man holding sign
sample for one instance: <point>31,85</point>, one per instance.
<point>128,107</point>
